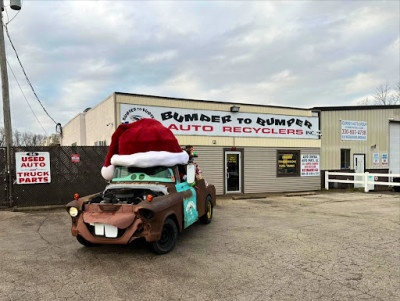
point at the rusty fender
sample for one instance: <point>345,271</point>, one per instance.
<point>211,191</point>
<point>202,192</point>
<point>161,208</point>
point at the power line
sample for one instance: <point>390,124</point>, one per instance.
<point>9,21</point>
<point>26,76</point>
<point>12,71</point>
<point>8,17</point>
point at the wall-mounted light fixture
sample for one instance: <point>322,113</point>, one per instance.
<point>108,124</point>
<point>373,146</point>
<point>214,142</point>
<point>235,109</point>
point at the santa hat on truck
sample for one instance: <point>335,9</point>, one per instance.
<point>144,143</point>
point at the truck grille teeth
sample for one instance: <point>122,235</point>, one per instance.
<point>105,230</point>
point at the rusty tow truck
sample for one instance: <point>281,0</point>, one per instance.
<point>154,203</point>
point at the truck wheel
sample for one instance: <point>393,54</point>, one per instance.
<point>168,238</point>
<point>84,242</point>
<point>206,218</point>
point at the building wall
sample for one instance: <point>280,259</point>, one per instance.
<point>100,122</point>
<point>377,134</point>
<point>259,154</point>
<point>92,125</point>
<point>211,163</point>
<point>74,131</point>
<point>260,168</point>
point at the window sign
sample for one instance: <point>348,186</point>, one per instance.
<point>309,165</point>
<point>354,130</point>
<point>220,123</point>
<point>375,159</point>
<point>385,161</point>
<point>33,167</point>
<point>288,163</point>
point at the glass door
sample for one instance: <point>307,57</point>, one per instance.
<point>233,172</point>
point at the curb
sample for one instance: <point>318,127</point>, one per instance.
<point>300,194</point>
<point>249,197</point>
<point>37,208</point>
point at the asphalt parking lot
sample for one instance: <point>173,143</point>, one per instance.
<point>330,246</point>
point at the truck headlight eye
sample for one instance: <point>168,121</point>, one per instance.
<point>146,213</point>
<point>73,211</point>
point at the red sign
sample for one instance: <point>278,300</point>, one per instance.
<point>32,167</point>
<point>75,158</point>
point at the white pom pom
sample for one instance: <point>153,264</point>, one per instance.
<point>108,172</point>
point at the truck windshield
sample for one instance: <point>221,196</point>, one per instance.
<point>135,174</point>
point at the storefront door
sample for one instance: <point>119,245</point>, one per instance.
<point>358,163</point>
<point>233,172</point>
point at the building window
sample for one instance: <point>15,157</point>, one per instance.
<point>344,159</point>
<point>288,163</point>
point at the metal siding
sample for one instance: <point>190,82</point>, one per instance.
<point>377,128</point>
<point>260,172</point>
<point>211,163</point>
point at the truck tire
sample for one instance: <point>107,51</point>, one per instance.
<point>207,218</point>
<point>168,238</point>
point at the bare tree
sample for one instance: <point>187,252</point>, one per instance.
<point>395,96</point>
<point>384,95</point>
<point>37,139</point>
<point>23,138</point>
<point>364,102</point>
<point>17,137</point>
<point>381,95</point>
<point>2,138</point>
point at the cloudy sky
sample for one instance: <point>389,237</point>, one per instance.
<point>299,53</point>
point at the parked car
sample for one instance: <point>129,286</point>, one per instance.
<point>155,203</point>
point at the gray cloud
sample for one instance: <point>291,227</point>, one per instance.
<point>283,53</point>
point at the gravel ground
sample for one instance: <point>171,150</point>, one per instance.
<point>330,246</point>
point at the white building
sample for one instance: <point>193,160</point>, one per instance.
<point>242,148</point>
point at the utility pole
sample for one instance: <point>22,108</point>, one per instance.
<point>6,105</point>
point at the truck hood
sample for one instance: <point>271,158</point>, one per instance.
<point>154,187</point>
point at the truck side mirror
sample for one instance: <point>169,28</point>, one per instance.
<point>191,173</point>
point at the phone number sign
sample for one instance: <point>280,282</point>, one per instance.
<point>310,165</point>
<point>32,167</point>
<point>354,130</point>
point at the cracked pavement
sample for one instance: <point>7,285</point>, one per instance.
<point>329,246</point>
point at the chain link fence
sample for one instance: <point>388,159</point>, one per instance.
<point>67,177</point>
<point>3,178</point>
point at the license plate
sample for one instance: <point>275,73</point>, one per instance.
<point>105,230</point>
